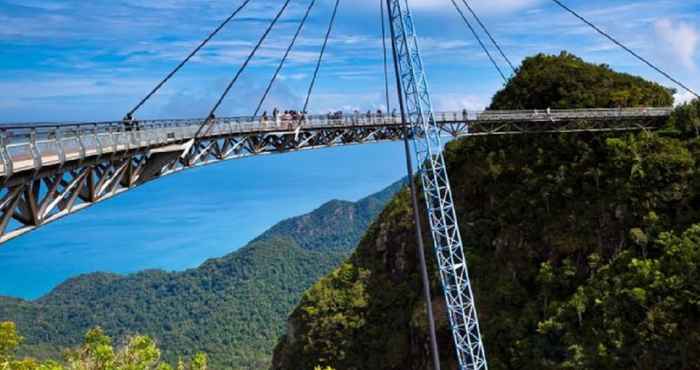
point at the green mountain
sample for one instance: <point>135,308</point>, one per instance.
<point>584,253</point>
<point>232,308</point>
<point>565,81</point>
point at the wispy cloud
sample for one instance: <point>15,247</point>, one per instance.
<point>74,54</point>
<point>682,40</point>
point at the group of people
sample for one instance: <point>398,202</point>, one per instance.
<point>356,116</point>
<point>288,118</point>
<point>291,119</point>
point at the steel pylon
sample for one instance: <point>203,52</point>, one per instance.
<point>447,241</point>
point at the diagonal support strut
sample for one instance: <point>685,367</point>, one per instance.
<point>427,144</point>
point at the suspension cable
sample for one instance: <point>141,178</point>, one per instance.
<point>216,106</point>
<point>284,58</point>
<point>486,30</point>
<point>476,35</point>
<point>130,115</point>
<point>320,57</point>
<point>620,44</point>
<point>386,62</point>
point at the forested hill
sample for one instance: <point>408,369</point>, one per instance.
<point>584,252</point>
<point>566,81</point>
<point>232,308</point>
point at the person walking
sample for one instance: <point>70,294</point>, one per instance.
<point>264,119</point>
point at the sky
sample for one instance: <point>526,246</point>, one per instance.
<point>93,60</point>
<point>74,60</point>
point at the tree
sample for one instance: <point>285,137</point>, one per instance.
<point>686,118</point>
<point>641,313</point>
<point>565,81</point>
<point>96,353</point>
<point>9,340</point>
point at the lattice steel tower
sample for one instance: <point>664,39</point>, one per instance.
<point>418,110</point>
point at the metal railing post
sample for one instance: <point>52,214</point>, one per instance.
<point>58,135</point>
<point>36,154</point>
<point>5,156</point>
<point>79,135</point>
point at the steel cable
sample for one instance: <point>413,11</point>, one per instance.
<point>486,30</point>
<point>320,58</point>
<point>284,58</point>
<point>386,62</point>
<point>172,73</point>
<point>212,113</point>
<point>620,44</point>
<point>476,35</point>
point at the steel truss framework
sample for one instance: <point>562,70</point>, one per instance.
<point>442,217</point>
<point>49,173</point>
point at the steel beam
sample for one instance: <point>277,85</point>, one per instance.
<point>442,217</point>
<point>42,181</point>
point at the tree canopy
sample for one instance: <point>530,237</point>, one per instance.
<point>583,248</point>
<point>565,81</point>
<point>96,353</point>
<point>233,308</point>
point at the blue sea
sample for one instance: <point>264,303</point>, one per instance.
<point>177,222</point>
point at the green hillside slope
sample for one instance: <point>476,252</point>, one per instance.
<point>232,308</point>
<point>582,250</point>
<point>566,81</point>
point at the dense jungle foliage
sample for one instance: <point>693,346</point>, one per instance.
<point>232,308</point>
<point>565,81</point>
<point>96,353</point>
<point>584,250</point>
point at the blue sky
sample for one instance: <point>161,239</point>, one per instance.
<point>85,60</point>
<point>177,222</point>
<point>92,60</point>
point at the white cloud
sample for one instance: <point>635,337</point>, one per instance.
<point>456,102</point>
<point>482,7</point>
<point>491,7</point>
<point>682,40</point>
<point>683,97</point>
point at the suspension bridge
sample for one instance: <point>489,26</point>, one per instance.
<point>51,170</point>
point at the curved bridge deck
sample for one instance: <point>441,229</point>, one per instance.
<point>49,171</point>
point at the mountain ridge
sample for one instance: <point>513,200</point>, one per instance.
<point>204,308</point>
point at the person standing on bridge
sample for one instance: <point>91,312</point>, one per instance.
<point>285,119</point>
<point>276,119</point>
<point>264,119</point>
<point>276,116</point>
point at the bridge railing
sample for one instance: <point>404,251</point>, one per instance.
<point>546,115</point>
<point>27,147</point>
<point>32,148</point>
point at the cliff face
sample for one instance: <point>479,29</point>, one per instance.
<point>556,228</point>
<point>367,314</point>
<point>582,248</point>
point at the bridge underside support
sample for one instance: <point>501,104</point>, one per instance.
<point>32,199</point>
<point>41,182</point>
